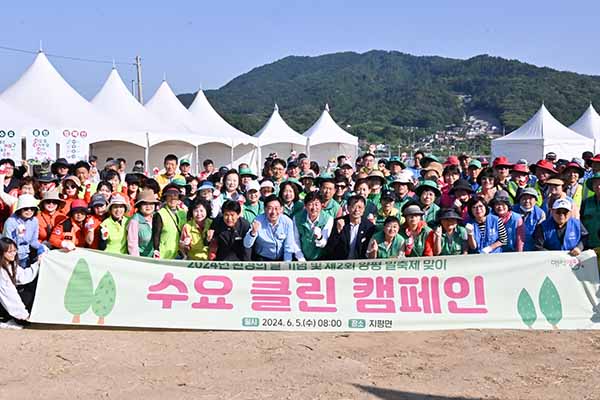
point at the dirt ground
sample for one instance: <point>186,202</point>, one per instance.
<point>52,363</point>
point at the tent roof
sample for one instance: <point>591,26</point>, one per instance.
<point>42,92</point>
<point>542,125</point>
<point>115,100</point>
<point>167,107</point>
<point>277,131</point>
<point>210,123</point>
<point>325,130</point>
<point>12,118</point>
<point>588,124</point>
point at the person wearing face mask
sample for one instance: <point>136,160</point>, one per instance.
<point>312,227</point>
<point>531,213</point>
<point>167,224</point>
<point>561,231</point>
<point>271,236</point>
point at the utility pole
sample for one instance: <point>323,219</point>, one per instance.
<point>138,66</point>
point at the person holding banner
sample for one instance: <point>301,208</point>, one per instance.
<point>113,230</point>
<point>139,229</point>
<point>486,232</point>
<point>17,289</point>
<point>196,233</point>
<point>562,231</point>
<point>531,213</point>
<point>388,243</point>
<point>590,210</point>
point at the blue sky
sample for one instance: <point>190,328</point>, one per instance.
<point>206,43</point>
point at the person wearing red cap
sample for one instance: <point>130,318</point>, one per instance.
<point>71,233</point>
<point>519,174</point>
<point>502,168</point>
<point>543,170</point>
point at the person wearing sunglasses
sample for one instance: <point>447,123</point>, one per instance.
<point>23,228</point>
<point>71,187</point>
<point>561,231</point>
<point>50,214</point>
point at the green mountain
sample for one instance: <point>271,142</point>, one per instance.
<point>382,92</point>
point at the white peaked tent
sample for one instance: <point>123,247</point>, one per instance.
<point>167,107</point>
<point>277,137</point>
<point>538,136</point>
<point>240,146</point>
<point>43,93</point>
<point>588,125</point>
<point>115,100</point>
<point>325,139</point>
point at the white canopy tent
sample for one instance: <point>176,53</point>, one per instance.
<point>167,107</point>
<point>538,136</point>
<point>43,93</point>
<point>241,147</point>
<point>588,125</point>
<point>325,139</point>
<point>277,137</point>
<point>115,100</point>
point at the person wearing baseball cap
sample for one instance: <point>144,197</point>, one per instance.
<point>543,170</point>
<point>387,209</point>
<point>531,213</point>
<point>519,174</point>
<point>502,168</point>
<point>590,211</point>
<point>555,186</point>
<point>253,206</point>
<point>473,171</point>
<point>561,231</point>
<point>185,167</point>
<point>71,233</point>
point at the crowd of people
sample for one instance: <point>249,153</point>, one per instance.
<point>291,210</point>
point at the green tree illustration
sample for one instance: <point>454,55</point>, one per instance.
<point>550,303</point>
<point>80,290</point>
<point>104,297</point>
<point>526,308</point>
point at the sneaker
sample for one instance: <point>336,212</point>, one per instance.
<point>12,324</point>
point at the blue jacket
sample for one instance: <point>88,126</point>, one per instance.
<point>571,239</point>
<point>511,232</point>
<point>530,221</point>
<point>27,238</point>
<point>490,235</point>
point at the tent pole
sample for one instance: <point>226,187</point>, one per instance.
<point>197,159</point>
<point>259,160</point>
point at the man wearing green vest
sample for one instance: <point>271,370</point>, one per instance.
<point>312,227</point>
<point>167,224</point>
<point>326,183</point>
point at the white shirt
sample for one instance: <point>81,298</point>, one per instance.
<point>9,297</point>
<point>353,235</point>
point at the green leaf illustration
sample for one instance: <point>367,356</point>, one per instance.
<point>80,290</point>
<point>550,303</point>
<point>104,297</point>
<point>526,308</point>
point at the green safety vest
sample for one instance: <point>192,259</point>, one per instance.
<point>295,209</point>
<point>591,220</point>
<point>395,247</point>
<point>307,241</point>
<point>418,241</point>
<point>250,212</point>
<point>117,235</point>
<point>198,247</point>
<point>431,214</point>
<point>453,245</point>
<point>145,244</point>
<point>171,230</point>
<point>331,208</point>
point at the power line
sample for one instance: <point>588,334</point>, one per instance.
<point>69,57</point>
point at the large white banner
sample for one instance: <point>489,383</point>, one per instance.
<point>538,290</point>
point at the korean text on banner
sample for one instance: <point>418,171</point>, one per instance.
<point>545,290</point>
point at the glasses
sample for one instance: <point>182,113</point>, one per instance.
<point>52,202</point>
<point>32,209</point>
<point>70,186</point>
<point>340,186</point>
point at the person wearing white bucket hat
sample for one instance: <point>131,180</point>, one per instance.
<point>23,228</point>
<point>113,230</point>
